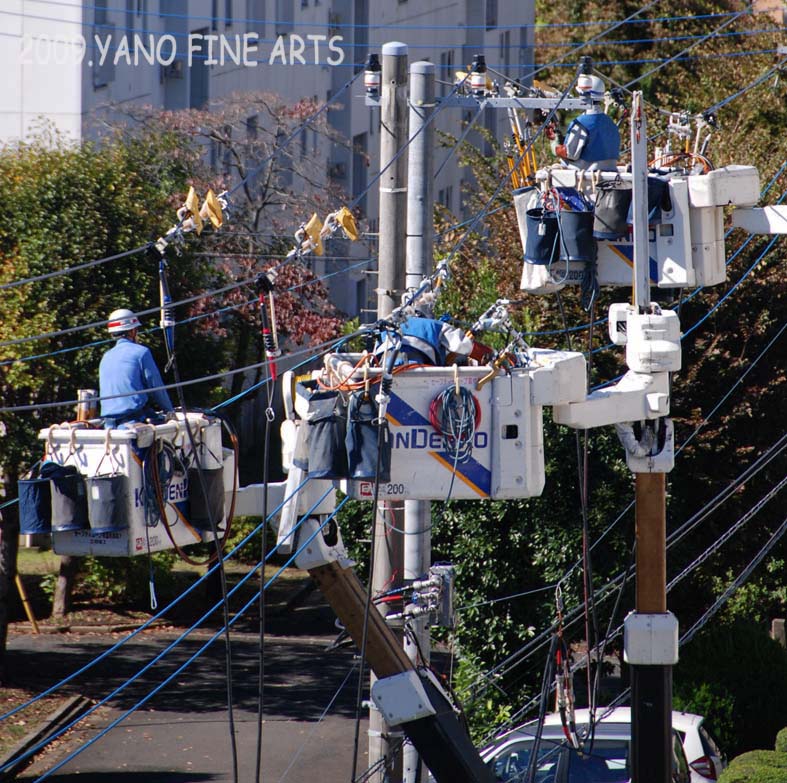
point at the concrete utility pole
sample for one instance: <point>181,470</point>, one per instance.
<point>420,261</point>
<point>651,683</point>
<point>388,558</point>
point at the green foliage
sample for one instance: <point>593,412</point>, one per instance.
<point>762,598</point>
<point>757,766</point>
<point>249,553</point>
<point>126,579</point>
<point>488,711</point>
<point>781,741</point>
<point>66,205</point>
<point>736,676</point>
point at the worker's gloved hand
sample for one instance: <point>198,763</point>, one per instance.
<point>481,353</point>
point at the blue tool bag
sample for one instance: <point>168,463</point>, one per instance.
<point>69,499</point>
<point>363,440</point>
<point>327,423</point>
<point>541,246</point>
<point>35,500</point>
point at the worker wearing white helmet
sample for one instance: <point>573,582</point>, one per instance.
<point>592,140</point>
<point>128,369</point>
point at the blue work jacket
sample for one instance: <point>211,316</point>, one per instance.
<point>130,369</point>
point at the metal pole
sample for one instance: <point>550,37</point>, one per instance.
<point>420,261</point>
<point>639,184</point>
<point>388,550</point>
<point>651,685</point>
<point>393,183</point>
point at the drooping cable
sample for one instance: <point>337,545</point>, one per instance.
<point>270,352</point>
<point>237,616</point>
<point>389,361</point>
<point>175,601</point>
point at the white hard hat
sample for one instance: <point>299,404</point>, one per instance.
<point>591,85</point>
<point>122,320</point>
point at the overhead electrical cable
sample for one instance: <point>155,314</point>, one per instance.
<point>120,688</point>
<point>706,37</point>
<point>237,616</point>
<point>333,24</point>
<point>161,613</point>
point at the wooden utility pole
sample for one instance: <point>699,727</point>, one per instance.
<point>651,683</point>
<point>389,517</point>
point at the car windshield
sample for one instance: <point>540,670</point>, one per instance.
<point>605,762</point>
<point>510,766</point>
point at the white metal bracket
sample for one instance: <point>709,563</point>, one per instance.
<point>634,397</point>
<point>761,220</point>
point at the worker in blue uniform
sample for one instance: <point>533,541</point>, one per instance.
<point>129,369</point>
<point>592,141</point>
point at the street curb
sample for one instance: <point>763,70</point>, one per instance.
<point>60,717</point>
<point>118,628</point>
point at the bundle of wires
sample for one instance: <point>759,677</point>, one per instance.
<point>455,414</point>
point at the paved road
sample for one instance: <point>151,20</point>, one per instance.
<point>181,735</point>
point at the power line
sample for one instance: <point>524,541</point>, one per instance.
<point>117,645</point>
<point>253,21</point>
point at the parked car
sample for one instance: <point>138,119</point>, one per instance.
<point>605,760</point>
<point>705,759</point>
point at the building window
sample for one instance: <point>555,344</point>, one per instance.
<point>130,17</point>
<point>491,14</point>
<point>284,17</point>
<point>445,196</point>
<point>505,50</point>
<point>304,3</point>
<point>199,71</point>
<point>228,13</point>
<point>446,70</point>
<point>255,14</point>
<point>142,8</point>
<point>100,12</point>
<point>360,165</point>
<point>214,14</point>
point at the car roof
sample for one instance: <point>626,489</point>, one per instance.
<point>620,717</point>
<point>683,721</point>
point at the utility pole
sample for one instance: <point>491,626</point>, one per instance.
<point>420,260</point>
<point>651,623</point>
<point>388,535</point>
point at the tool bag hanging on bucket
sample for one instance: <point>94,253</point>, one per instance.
<point>327,423</point>
<point>35,500</point>
<point>69,500</point>
<point>363,440</point>
<point>611,213</point>
<point>542,246</point>
<point>107,495</point>
<point>576,236</point>
<point>204,507</point>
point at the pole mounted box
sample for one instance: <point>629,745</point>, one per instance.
<point>650,639</point>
